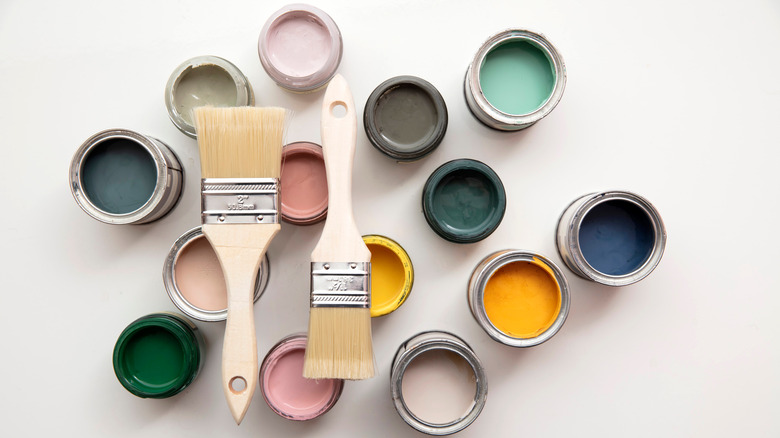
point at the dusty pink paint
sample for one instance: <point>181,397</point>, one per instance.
<point>304,190</point>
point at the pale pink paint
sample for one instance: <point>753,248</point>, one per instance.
<point>304,190</point>
<point>298,44</point>
<point>286,391</point>
<point>199,276</point>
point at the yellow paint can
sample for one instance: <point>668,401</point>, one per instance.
<point>392,274</point>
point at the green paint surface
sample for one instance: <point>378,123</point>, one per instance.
<point>406,116</point>
<point>118,176</point>
<point>517,78</point>
<point>154,357</point>
<point>464,200</point>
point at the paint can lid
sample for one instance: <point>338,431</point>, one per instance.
<point>405,118</point>
<point>464,201</point>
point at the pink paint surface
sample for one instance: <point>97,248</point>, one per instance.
<point>287,392</point>
<point>304,188</point>
<point>298,44</point>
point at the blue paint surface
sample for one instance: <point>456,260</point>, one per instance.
<point>616,237</point>
<point>118,176</point>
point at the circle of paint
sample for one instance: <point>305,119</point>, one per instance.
<point>615,238</point>
<point>518,297</point>
<point>464,201</point>
<point>405,118</point>
<point>300,47</point>
<point>204,81</point>
<point>158,355</point>
<point>194,279</point>
<point>304,184</point>
<point>438,384</point>
<point>392,274</point>
<point>119,176</point>
<point>284,388</point>
<point>516,78</point>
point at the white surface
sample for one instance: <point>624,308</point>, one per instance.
<point>678,101</point>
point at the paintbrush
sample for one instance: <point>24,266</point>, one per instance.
<point>240,160</point>
<point>339,344</point>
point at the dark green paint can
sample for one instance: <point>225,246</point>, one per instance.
<point>464,201</point>
<point>158,355</point>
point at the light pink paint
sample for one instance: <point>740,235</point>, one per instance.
<point>304,190</point>
<point>298,44</point>
<point>199,276</point>
<point>284,388</point>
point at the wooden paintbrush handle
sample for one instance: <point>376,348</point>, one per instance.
<point>240,249</point>
<point>340,240</point>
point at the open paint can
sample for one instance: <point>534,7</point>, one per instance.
<point>405,118</point>
<point>464,201</point>
<point>392,274</point>
<point>204,81</point>
<point>304,184</point>
<point>194,280</point>
<point>438,384</point>
<point>519,298</point>
<point>158,355</point>
<point>119,176</point>
<point>516,78</point>
<point>284,388</point>
<point>300,48</point>
<point>614,238</point>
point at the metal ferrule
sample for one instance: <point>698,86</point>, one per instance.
<point>341,284</point>
<point>240,200</point>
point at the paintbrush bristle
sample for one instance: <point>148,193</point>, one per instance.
<point>339,344</point>
<point>242,142</point>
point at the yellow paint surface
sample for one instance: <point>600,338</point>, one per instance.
<point>522,299</point>
<point>391,274</point>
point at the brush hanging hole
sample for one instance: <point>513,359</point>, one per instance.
<point>338,109</point>
<point>237,385</point>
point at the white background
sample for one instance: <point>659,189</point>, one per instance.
<point>677,101</point>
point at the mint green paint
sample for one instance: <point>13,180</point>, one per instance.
<point>118,176</point>
<point>517,77</point>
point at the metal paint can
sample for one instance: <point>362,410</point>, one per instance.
<point>204,80</point>
<point>178,298</point>
<point>500,116</point>
<point>392,274</point>
<point>154,165</point>
<point>615,238</point>
<point>437,342</point>
<point>158,355</point>
<point>485,271</point>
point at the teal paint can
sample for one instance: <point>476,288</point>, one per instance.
<point>516,78</point>
<point>119,176</point>
<point>464,201</point>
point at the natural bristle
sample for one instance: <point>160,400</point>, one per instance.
<point>339,344</point>
<point>243,142</point>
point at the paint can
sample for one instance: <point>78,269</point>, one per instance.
<point>300,48</point>
<point>615,238</point>
<point>119,176</point>
<point>304,185</point>
<point>438,384</point>
<point>464,201</point>
<point>194,280</point>
<point>405,118</point>
<point>284,388</point>
<point>158,355</point>
<point>204,81</point>
<point>516,78</point>
<point>519,298</point>
<point>392,274</point>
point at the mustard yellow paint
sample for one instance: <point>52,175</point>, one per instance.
<point>392,274</point>
<point>522,299</point>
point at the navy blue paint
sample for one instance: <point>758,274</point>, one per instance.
<point>616,237</point>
